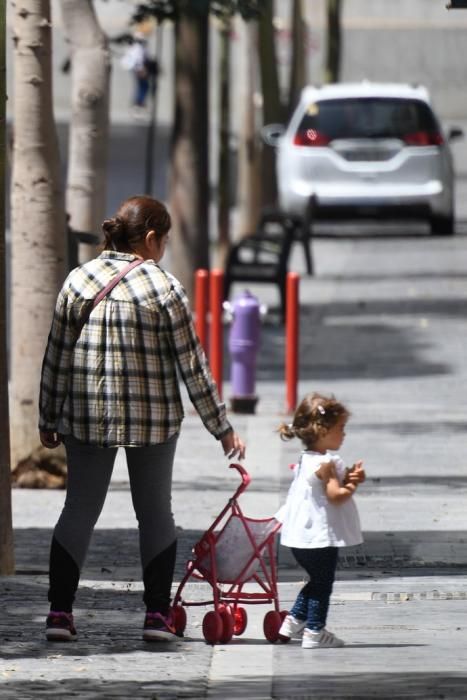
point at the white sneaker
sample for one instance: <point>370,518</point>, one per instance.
<point>320,640</point>
<point>291,627</point>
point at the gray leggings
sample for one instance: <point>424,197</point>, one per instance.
<point>89,472</point>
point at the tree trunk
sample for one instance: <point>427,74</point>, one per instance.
<point>7,562</point>
<point>272,108</point>
<point>223,199</point>
<point>189,180</point>
<point>89,126</point>
<point>37,218</point>
<point>333,52</point>
<point>298,72</point>
<point>249,155</point>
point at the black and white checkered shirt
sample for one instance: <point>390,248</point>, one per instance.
<point>117,383</point>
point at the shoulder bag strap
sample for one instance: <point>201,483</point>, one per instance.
<point>103,293</point>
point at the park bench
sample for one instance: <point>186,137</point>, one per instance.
<point>263,257</point>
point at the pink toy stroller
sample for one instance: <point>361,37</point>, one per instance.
<point>236,550</point>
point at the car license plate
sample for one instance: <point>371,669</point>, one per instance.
<point>367,154</point>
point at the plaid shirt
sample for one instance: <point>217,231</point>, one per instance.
<point>116,384</point>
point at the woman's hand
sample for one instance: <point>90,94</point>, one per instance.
<point>233,446</point>
<point>49,439</point>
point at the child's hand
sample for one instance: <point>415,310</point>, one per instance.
<point>355,474</point>
<point>359,471</point>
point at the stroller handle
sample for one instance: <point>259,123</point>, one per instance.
<point>246,478</point>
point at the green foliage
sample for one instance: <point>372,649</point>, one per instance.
<point>171,9</point>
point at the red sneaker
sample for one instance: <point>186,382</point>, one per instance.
<point>60,627</point>
<point>157,627</point>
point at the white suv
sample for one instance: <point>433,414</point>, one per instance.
<point>366,150</point>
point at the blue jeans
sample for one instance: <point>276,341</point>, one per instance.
<point>141,90</point>
<point>312,602</point>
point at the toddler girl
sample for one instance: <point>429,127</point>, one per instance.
<point>319,515</point>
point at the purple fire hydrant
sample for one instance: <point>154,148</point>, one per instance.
<point>243,347</point>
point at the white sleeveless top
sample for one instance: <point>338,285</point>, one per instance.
<point>309,520</point>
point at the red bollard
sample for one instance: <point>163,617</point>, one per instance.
<point>291,340</point>
<point>216,344</point>
<point>201,307</point>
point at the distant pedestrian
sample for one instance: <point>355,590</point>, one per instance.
<point>144,69</point>
<point>319,515</point>
<point>110,380</point>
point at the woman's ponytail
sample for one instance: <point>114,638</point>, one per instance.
<point>135,217</point>
<point>115,234</point>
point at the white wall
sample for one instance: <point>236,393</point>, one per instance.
<point>415,41</point>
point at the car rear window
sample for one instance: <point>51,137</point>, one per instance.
<point>368,118</point>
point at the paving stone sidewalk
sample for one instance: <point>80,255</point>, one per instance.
<point>383,327</point>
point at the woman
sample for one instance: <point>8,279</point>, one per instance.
<point>109,380</point>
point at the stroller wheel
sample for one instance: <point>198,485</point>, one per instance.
<point>179,616</point>
<point>212,627</point>
<point>227,626</point>
<point>271,625</point>
<point>240,621</point>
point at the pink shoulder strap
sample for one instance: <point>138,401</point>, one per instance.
<point>108,288</point>
<point>114,281</point>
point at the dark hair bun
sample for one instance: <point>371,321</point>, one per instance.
<point>135,217</point>
<point>114,230</point>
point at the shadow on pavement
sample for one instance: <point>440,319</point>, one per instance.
<point>385,685</point>
<point>114,555</point>
<point>359,340</point>
<point>402,549</point>
<point>414,275</point>
<point>112,552</point>
<point>92,688</point>
<point>339,686</point>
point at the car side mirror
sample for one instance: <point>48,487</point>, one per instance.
<point>272,133</point>
<point>455,133</point>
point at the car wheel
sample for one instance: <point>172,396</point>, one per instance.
<point>442,225</point>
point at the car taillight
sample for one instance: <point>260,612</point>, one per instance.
<point>424,138</point>
<point>310,137</point>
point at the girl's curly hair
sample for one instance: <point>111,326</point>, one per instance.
<point>314,417</point>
